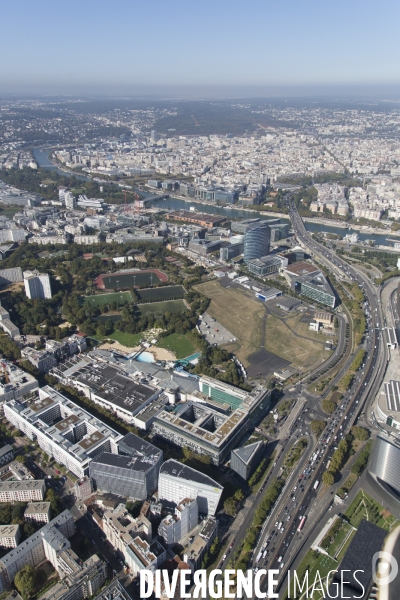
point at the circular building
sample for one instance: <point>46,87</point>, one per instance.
<point>257,240</point>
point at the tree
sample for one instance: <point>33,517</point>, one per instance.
<point>55,502</point>
<point>317,427</point>
<point>25,581</point>
<point>21,459</point>
<point>230,507</point>
<point>360,433</point>
<point>328,478</point>
<point>238,495</point>
<point>328,406</point>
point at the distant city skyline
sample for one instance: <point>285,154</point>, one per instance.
<point>193,50</point>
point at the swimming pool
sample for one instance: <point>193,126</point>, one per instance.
<point>146,357</point>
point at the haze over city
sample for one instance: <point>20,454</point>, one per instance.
<point>201,49</point>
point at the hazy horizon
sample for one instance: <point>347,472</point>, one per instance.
<point>224,49</point>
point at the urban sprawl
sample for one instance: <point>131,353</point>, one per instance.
<point>199,354</point>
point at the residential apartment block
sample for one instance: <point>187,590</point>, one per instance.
<point>22,491</point>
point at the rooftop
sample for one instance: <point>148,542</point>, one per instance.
<point>301,268</point>
<point>26,484</point>
<point>180,471</point>
<point>8,531</point>
<point>35,508</point>
<point>127,462</point>
<point>246,453</point>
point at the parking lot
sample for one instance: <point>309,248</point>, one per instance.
<point>214,332</point>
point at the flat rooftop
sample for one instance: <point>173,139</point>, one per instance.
<point>35,508</point>
<point>112,386</point>
<point>8,531</point>
<point>26,484</point>
<point>301,269</point>
<point>128,463</point>
<point>392,393</point>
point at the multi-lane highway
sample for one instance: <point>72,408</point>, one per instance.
<point>281,539</point>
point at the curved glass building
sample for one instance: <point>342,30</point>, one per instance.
<point>257,240</point>
<point>385,462</point>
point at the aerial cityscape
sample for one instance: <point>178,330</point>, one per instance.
<point>199,302</point>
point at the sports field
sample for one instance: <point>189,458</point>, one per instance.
<point>102,299</point>
<point>240,313</point>
<point>129,278</point>
<point>168,292</point>
<point>172,306</point>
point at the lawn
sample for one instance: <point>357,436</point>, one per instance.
<point>126,339</point>
<point>172,306</point>
<point>339,538</point>
<point>365,507</point>
<point>126,280</point>
<point>239,312</point>
<point>177,343</point>
<point>323,564</point>
<point>101,299</point>
<point>291,339</point>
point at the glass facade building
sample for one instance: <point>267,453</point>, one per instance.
<point>257,240</point>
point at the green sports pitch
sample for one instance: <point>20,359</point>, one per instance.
<point>101,299</point>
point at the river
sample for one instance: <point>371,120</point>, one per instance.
<point>41,156</point>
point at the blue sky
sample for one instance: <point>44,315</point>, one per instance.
<point>71,45</point>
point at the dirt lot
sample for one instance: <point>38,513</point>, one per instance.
<point>236,310</point>
<point>292,340</point>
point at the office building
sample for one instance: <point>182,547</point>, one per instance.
<point>266,265</point>
<point>15,383</point>
<point>62,429</point>
<point>179,481</point>
<point>213,419</point>
<point>244,460</point>
<point>9,536</point>
<point>317,288</point>
<point>22,491</point>
<point>37,285</point>
<point>385,462</point>
<point>107,385</point>
<point>201,219</point>
<point>134,476</point>
<point>231,251</point>
<point>257,240</point>
<point>6,454</point>
<point>182,519</point>
<point>307,280</point>
<point>38,512</point>
<point>204,247</point>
